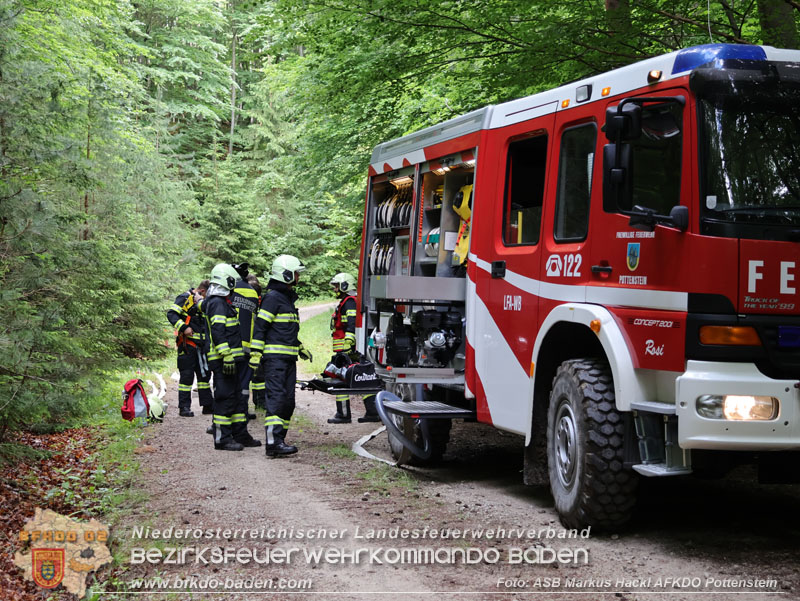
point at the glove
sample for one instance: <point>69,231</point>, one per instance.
<point>255,359</point>
<point>228,366</point>
<point>304,354</point>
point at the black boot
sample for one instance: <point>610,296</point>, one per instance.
<point>248,441</point>
<point>242,436</point>
<point>223,439</point>
<point>342,415</point>
<point>280,448</point>
<point>370,413</point>
<point>229,446</point>
<point>185,412</point>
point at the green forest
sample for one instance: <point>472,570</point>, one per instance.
<point>143,141</point>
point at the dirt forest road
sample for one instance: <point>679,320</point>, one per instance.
<point>710,536</point>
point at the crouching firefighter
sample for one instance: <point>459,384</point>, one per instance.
<point>343,334</point>
<point>190,336</point>
<point>225,358</point>
<point>275,335</point>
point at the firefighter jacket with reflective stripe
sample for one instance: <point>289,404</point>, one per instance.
<point>223,327</point>
<point>245,299</point>
<point>343,324</point>
<point>277,322</point>
<point>185,313</point>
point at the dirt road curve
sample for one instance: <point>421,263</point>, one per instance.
<point>711,536</point>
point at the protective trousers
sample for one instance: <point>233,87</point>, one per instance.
<point>230,416</point>
<point>342,400</point>
<point>188,368</point>
<point>258,388</point>
<point>280,376</point>
<point>245,374</point>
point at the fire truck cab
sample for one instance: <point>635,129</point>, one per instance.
<point>609,269</point>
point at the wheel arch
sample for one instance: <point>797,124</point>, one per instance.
<point>566,334</point>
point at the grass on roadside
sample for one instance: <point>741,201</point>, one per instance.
<point>384,478</point>
<point>316,336</point>
<point>340,450</point>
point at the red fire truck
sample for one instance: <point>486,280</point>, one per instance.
<point>609,269</point>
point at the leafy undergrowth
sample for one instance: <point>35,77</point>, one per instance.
<point>56,471</point>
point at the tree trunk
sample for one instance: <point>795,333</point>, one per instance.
<point>778,27</point>
<point>618,13</point>
<point>85,233</point>
<point>233,83</point>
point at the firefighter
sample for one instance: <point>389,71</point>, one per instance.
<point>245,299</point>
<point>343,334</point>
<point>190,336</point>
<point>275,335</point>
<point>226,357</point>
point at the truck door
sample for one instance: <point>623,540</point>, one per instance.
<point>566,266</point>
<point>507,251</point>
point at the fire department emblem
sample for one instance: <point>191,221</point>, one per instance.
<point>633,255</point>
<point>48,567</point>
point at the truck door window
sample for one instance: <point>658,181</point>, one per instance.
<point>657,158</point>
<point>575,183</point>
<point>524,190</point>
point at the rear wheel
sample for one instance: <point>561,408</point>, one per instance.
<point>585,436</point>
<point>438,430</point>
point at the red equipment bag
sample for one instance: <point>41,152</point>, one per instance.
<point>134,400</point>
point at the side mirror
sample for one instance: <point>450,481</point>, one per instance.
<point>680,217</point>
<point>617,177</point>
<point>644,218</point>
<point>623,122</point>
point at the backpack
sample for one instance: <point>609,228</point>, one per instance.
<point>135,403</point>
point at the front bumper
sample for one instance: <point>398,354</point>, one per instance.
<point>708,377</point>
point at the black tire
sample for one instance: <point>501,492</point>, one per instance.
<point>438,430</point>
<point>585,438</point>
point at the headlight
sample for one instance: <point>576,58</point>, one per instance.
<point>738,407</point>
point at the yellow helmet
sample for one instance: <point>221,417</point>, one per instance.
<point>462,202</point>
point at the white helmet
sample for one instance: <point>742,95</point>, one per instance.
<point>224,275</point>
<point>157,410</point>
<point>285,269</point>
<point>345,281</point>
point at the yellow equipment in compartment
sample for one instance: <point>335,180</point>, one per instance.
<point>462,205</point>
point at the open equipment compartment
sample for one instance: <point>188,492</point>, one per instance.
<point>415,291</point>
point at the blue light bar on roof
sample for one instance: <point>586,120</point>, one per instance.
<point>688,59</point>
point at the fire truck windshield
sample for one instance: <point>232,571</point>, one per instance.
<point>750,182</point>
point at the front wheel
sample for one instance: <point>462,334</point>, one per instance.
<point>585,436</point>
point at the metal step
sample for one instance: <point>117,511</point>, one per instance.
<point>427,409</point>
<point>660,469</point>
